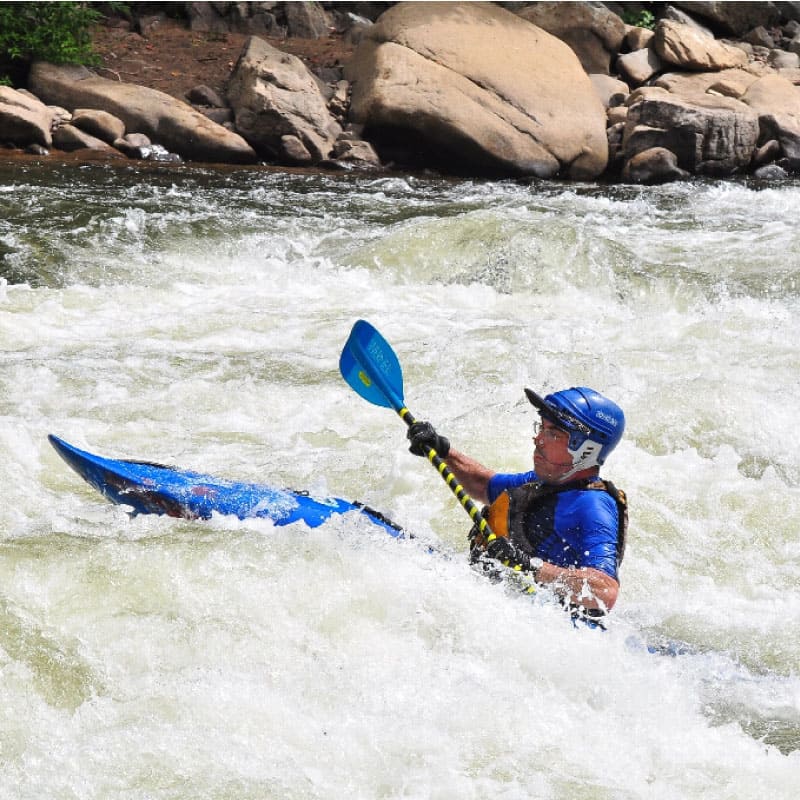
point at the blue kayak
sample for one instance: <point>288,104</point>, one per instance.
<point>149,488</point>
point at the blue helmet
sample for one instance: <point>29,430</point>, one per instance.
<point>595,424</point>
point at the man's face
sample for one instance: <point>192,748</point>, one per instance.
<point>551,458</point>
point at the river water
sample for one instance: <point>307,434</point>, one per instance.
<point>196,317</point>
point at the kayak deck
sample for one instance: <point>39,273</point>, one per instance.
<point>149,488</point>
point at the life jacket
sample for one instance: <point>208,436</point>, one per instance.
<point>507,515</point>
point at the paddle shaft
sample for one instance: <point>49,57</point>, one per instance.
<point>467,503</point>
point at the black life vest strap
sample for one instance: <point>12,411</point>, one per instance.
<point>622,514</point>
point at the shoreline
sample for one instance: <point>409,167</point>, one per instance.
<point>77,159</point>
<point>683,122</point>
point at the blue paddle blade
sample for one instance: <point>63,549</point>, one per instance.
<point>370,366</point>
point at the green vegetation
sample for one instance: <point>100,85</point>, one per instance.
<point>641,19</point>
<point>56,32</point>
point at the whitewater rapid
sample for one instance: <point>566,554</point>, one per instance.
<point>196,317</point>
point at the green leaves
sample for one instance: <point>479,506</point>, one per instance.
<point>56,32</point>
<point>642,19</point>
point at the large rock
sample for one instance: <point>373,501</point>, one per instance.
<point>710,135</point>
<point>735,17</point>
<point>24,120</point>
<point>471,82</point>
<point>777,103</point>
<point>170,122</point>
<point>687,48</point>
<point>278,104</point>
<point>590,29</point>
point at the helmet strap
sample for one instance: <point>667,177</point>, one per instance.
<point>585,456</point>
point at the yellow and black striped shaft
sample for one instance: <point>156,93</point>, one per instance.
<point>455,487</point>
<point>526,583</point>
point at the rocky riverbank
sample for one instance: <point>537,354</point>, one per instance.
<point>550,90</point>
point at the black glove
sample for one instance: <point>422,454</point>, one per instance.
<point>423,436</point>
<point>504,551</point>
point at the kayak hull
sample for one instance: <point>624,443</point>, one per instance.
<point>148,488</point>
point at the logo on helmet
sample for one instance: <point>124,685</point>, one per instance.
<point>606,418</point>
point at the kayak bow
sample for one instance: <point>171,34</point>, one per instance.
<point>149,488</point>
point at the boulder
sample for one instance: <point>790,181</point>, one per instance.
<point>591,30</point>
<point>69,138</point>
<point>293,149</point>
<point>760,37</point>
<point>780,59</point>
<point>351,152</point>
<point>687,48</point>
<point>655,165</point>
<point>175,124</point>
<point>777,103</point>
<point>307,20</point>
<point>133,144</point>
<point>206,18</point>
<point>676,15</point>
<point>250,18</point>
<point>640,65</point>
<point>768,152</point>
<point>771,172</point>
<point>734,17</point>
<point>256,19</point>
<point>203,95</point>
<point>24,119</point>
<point>99,124</point>
<point>356,150</point>
<point>474,83</point>
<point>273,95</point>
<point>709,135</point>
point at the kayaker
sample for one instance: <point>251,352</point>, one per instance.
<point>560,522</point>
